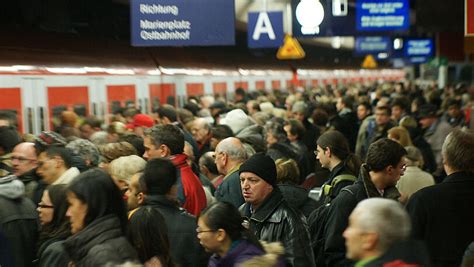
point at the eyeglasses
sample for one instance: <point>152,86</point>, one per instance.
<point>198,231</point>
<point>404,167</point>
<point>44,206</point>
<point>20,159</point>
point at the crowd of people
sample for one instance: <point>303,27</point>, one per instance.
<point>227,183</point>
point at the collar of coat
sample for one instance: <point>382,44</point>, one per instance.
<point>266,211</point>
<point>370,189</point>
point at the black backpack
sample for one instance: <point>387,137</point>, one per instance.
<point>318,219</point>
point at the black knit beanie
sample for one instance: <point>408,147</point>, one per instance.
<point>261,165</point>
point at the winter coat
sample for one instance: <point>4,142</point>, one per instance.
<point>413,180</point>
<point>274,220</point>
<point>191,194</point>
<point>346,122</point>
<point>435,136</point>
<point>442,215</point>
<point>340,209</point>
<point>18,220</point>
<point>54,255</point>
<point>99,243</point>
<point>241,251</point>
<point>297,197</point>
<point>229,190</point>
<point>184,246</point>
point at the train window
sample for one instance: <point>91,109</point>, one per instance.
<point>29,120</point>
<point>42,119</point>
<point>145,100</point>
<point>155,103</point>
<point>171,100</point>
<point>10,115</point>
<point>130,103</point>
<point>94,109</point>
<point>57,110</point>
<point>115,106</point>
<point>80,110</point>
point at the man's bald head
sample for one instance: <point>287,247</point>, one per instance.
<point>24,158</point>
<point>229,153</point>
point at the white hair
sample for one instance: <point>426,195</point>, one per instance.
<point>125,167</point>
<point>385,217</point>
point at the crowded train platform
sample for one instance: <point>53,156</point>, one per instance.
<point>222,133</point>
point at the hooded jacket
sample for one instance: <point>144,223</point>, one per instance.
<point>341,207</point>
<point>99,243</point>
<point>18,220</point>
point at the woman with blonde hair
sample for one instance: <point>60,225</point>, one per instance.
<point>400,135</point>
<point>288,176</point>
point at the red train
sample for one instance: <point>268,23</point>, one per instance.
<point>37,94</point>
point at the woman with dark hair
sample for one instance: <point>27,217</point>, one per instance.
<point>220,231</point>
<point>333,153</point>
<point>149,235</point>
<point>55,226</point>
<point>98,221</point>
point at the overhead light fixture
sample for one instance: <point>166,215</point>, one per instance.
<point>67,70</point>
<point>310,14</point>
<point>397,43</point>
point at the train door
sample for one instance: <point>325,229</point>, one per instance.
<point>194,89</point>
<point>162,93</point>
<point>219,89</point>
<point>71,98</point>
<point>120,96</point>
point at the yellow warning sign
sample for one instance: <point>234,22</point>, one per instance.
<point>369,62</point>
<point>291,49</point>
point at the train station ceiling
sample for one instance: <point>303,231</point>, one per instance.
<point>98,32</point>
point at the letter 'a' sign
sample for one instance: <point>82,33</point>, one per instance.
<point>265,29</point>
<point>182,22</point>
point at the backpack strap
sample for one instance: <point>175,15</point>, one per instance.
<point>327,189</point>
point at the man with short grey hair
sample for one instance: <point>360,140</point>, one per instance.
<point>374,226</point>
<point>229,155</point>
<point>442,214</point>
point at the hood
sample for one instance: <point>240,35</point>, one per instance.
<point>293,194</point>
<point>11,187</point>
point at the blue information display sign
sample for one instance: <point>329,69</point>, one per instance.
<point>265,29</point>
<point>182,22</point>
<point>372,45</point>
<point>382,15</point>
<point>418,47</point>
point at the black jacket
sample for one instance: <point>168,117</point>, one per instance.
<point>18,221</point>
<point>184,247</point>
<point>406,253</point>
<point>442,215</point>
<point>275,221</point>
<point>341,208</point>
<point>99,243</point>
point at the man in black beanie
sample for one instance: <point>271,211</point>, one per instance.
<point>269,216</point>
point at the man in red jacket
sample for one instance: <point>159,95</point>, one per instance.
<point>167,141</point>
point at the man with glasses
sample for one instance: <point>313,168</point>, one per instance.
<point>229,155</point>
<point>24,163</point>
<point>385,163</point>
<point>54,166</point>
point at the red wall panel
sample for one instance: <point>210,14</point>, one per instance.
<point>11,100</point>
<point>195,89</point>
